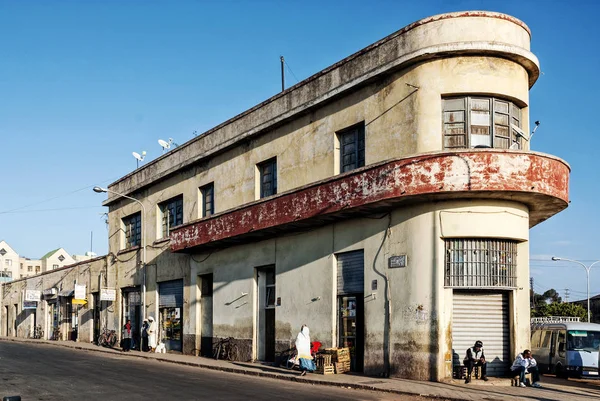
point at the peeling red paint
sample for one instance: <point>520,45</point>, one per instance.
<point>539,181</point>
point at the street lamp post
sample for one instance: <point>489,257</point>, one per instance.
<point>143,239</point>
<point>587,271</point>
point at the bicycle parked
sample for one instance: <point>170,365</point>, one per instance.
<point>38,332</point>
<point>108,338</point>
<point>226,349</point>
<point>56,334</point>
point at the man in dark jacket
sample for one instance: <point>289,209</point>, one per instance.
<point>475,357</point>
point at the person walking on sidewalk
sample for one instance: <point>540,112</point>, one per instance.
<point>475,357</point>
<point>303,347</point>
<point>151,333</point>
<point>523,364</point>
<point>127,336</point>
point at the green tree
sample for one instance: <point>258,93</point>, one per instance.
<point>560,309</point>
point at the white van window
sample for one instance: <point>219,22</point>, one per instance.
<point>535,339</point>
<point>578,340</point>
<point>546,340</point>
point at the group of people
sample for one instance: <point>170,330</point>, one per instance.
<point>148,335</point>
<point>523,364</point>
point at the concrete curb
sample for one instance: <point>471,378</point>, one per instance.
<point>277,376</point>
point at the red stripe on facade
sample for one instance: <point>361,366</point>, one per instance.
<point>438,174</point>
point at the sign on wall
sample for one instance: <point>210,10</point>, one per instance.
<point>33,295</point>
<point>108,294</point>
<point>80,291</point>
<point>29,305</point>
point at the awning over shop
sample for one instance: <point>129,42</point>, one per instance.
<point>66,293</point>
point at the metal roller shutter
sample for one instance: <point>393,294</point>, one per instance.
<point>350,272</point>
<point>482,317</point>
<point>170,294</point>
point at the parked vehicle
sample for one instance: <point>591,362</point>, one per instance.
<point>566,348</point>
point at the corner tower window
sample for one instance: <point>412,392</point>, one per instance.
<point>478,121</point>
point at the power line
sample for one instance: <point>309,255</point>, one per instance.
<point>53,198</point>
<point>288,66</point>
<point>53,210</point>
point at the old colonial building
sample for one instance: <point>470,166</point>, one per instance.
<point>384,201</point>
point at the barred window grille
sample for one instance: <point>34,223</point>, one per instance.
<point>172,214</point>
<point>481,263</point>
<point>133,230</point>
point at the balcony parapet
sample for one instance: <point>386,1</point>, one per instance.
<point>537,180</point>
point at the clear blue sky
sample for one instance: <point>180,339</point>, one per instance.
<point>85,83</point>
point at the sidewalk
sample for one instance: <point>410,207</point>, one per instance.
<point>495,389</point>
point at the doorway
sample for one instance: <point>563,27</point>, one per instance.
<point>170,308</point>
<point>96,301</point>
<point>131,311</point>
<point>265,279</point>
<point>206,315</point>
<point>6,319</point>
<point>350,295</point>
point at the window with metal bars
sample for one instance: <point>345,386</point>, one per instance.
<point>352,147</point>
<point>481,263</point>
<point>478,121</point>
<point>172,214</point>
<point>268,177</point>
<point>208,199</point>
<point>133,230</point>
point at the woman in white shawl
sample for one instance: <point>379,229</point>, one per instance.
<point>303,348</point>
<point>151,333</point>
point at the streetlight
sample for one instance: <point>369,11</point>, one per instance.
<point>587,271</point>
<point>101,190</point>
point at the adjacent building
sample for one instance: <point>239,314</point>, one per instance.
<point>385,202</point>
<point>9,262</point>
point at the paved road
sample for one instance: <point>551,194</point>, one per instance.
<point>46,372</point>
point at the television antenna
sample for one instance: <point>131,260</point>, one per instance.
<point>139,158</point>
<point>166,145</point>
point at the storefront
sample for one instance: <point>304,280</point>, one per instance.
<point>68,315</point>
<point>132,301</point>
<point>171,314</point>
<point>52,325</point>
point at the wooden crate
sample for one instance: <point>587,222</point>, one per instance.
<point>325,370</point>
<point>342,367</point>
<point>339,354</point>
<point>323,360</point>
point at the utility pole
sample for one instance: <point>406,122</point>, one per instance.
<point>532,292</point>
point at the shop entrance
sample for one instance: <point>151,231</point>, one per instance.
<point>171,314</point>
<point>53,315</point>
<point>131,311</point>
<point>350,292</point>
<point>266,313</point>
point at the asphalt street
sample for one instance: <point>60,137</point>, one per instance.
<point>46,372</point>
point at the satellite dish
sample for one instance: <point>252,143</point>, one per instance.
<point>167,145</point>
<point>139,158</point>
<point>164,144</point>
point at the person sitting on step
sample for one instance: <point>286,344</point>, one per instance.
<point>523,364</point>
<point>475,357</point>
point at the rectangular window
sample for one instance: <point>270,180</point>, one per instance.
<point>55,266</point>
<point>8,262</point>
<point>171,214</point>
<point>477,121</point>
<point>29,268</point>
<point>21,266</point>
<point>133,230</point>
<point>208,200</point>
<point>352,147</point>
<point>37,269</point>
<point>268,177</point>
<point>481,263</point>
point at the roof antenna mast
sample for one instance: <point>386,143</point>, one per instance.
<point>282,74</point>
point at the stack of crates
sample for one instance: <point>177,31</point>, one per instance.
<point>324,365</point>
<point>340,358</point>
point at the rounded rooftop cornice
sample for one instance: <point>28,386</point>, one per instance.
<point>463,14</point>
